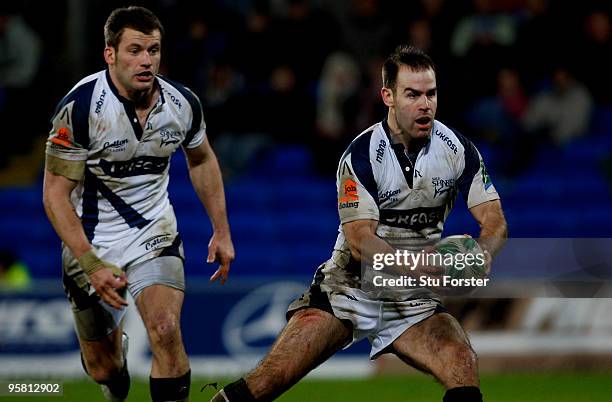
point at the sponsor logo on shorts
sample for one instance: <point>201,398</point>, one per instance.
<point>446,139</point>
<point>169,137</point>
<point>116,146</point>
<point>349,198</point>
<point>442,186</point>
<point>155,242</point>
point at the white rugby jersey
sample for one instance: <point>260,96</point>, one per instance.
<point>410,199</point>
<point>124,188</point>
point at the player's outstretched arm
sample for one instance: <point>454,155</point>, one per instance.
<point>206,178</point>
<point>104,277</point>
<point>493,227</point>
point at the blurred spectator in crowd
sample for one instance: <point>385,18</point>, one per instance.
<point>365,30</point>
<point>303,38</point>
<point>420,35</point>
<point>278,113</point>
<point>561,113</point>
<point>443,15</point>
<point>496,120</point>
<point>14,274</point>
<point>481,44</point>
<point>287,111</point>
<point>537,31</point>
<point>484,27</point>
<point>554,116</point>
<point>418,30</point>
<point>339,85</point>
<point>196,44</point>
<point>336,110</point>
<point>255,50</point>
<point>20,52</point>
<point>224,85</point>
<point>593,63</point>
<point>236,140</point>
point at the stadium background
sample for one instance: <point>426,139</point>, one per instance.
<point>285,85</point>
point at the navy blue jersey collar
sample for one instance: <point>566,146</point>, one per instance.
<point>129,107</point>
<point>407,158</point>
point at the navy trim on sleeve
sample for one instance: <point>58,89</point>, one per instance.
<point>80,111</point>
<point>196,109</point>
<point>360,159</point>
<point>472,164</point>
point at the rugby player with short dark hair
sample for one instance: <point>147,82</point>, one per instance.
<point>397,180</point>
<point>105,192</point>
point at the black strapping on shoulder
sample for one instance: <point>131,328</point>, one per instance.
<point>472,164</point>
<point>81,96</point>
<point>196,108</point>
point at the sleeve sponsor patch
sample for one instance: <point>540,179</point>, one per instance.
<point>62,137</point>
<point>348,197</point>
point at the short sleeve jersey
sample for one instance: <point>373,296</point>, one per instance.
<point>124,187</point>
<point>377,180</point>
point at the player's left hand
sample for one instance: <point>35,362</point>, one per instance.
<point>221,250</point>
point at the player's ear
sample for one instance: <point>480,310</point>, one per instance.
<point>109,55</point>
<point>387,96</point>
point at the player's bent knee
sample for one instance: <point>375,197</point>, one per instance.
<point>164,329</point>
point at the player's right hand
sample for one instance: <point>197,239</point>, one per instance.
<point>106,284</point>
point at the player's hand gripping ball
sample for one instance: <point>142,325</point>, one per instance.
<point>462,257</point>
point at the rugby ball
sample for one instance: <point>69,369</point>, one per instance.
<point>462,257</point>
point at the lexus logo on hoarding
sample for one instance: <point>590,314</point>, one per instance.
<point>254,322</point>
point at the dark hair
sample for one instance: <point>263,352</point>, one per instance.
<point>406,55</point>
<point>134,17</point>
